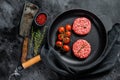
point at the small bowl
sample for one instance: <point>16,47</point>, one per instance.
<point>38,14</point>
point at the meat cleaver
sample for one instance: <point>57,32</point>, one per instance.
<point>29,12</point>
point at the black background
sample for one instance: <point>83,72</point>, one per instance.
<point>10,42</point>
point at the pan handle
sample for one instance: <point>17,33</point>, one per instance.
<point>31,61</point>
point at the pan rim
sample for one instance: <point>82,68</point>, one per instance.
<point>101,57</point>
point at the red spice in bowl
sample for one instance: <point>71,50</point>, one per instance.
<point>41,19</point>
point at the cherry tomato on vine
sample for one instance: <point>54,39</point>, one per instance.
<point>60,36</point>
<point>61,29</point>
<point>67,33</point>
<point>68,27</point>
<point>66,48</point>
<point>66,40</point>
<point>59,44</point>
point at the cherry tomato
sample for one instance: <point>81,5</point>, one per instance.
<point>60,36</point>
<point>59,44</point>
<point>68,27</point>
<point>66,40</point>
<point>61,29</point>
<point>66,48</point>
<point>67,33</point>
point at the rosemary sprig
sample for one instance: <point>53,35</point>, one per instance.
<point>83,46</point>
<point>37,41</point>
<point>37,38</point>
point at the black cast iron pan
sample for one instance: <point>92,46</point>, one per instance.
<point>67,62</point>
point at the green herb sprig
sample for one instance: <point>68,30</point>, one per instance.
<point>37,38</point>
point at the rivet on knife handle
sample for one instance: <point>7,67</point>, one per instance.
<point>24,49</point>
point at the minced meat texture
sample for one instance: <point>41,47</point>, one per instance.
<point>81,48</point>
<point>81,26</point>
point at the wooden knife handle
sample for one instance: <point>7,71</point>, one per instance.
<point>24,49</point>
<point>31,61</point>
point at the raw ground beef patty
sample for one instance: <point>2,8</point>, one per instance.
<point>81,26</point>
<point>81,48</point>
